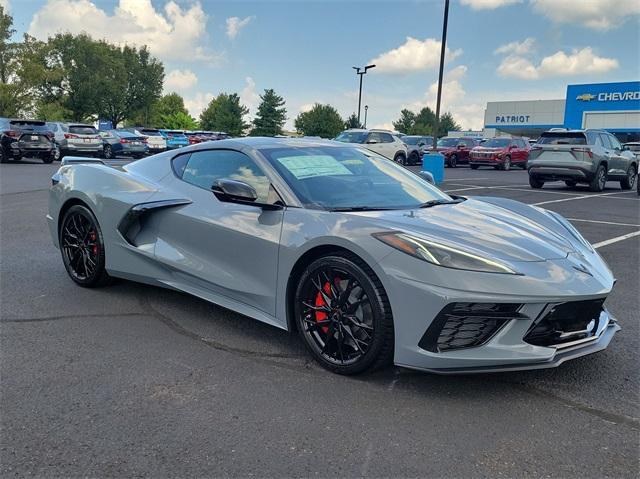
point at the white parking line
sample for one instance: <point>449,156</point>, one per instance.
<point>468,179</point>
<point>465,189</point>
<point>603,222</point>
<point>583,197</point>
<point>616,239</point>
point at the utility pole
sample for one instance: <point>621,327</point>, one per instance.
<point>361,71</point>
<point>442,50</point>
<point>366,107</point>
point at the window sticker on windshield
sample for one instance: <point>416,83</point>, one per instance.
<point>313,165</point>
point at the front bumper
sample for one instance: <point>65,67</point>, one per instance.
<point>489,161</point>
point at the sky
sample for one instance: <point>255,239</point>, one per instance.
<point>496,49</point>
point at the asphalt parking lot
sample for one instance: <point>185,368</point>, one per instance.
<point>132,380</point>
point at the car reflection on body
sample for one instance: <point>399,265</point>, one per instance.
<point>368,262</point>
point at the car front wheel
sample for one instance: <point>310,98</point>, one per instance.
<point>535,183</point>
<point>343,315</point>
<point>630,180</point>
<point>400,158</point>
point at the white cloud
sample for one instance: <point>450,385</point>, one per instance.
<point>7,5</point>
<point>578,62</point>
<point>180,81</point>
<point>595,14</point>
<point>488,4</point>
<point>171,33</point>
<point>517,48</point>
<point>235,24</point>
<point>413,55</point>
<point>306,107</point>
<point>197,102</point>
<point>249,97</point>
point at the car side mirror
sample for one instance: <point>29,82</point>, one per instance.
<point>233,191</point>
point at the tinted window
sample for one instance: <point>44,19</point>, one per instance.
<point>614,142</point>
<point>52,126</point>
<point>411,140</point>
<point>352,137</point>
<point>386,138</point>
<point>604,139</point>
<point>149,132</point>
<point>469,142</point>
<point>562,138</point>
<point>347,177</point>
<point>497,143</point>
<point>179,163</point>
<point>448,142</point>
<point>592,137</point>
<point>375,136</point>
<point>82,130</point>
<point>205,167</point>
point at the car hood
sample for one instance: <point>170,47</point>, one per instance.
<point>482,227</point>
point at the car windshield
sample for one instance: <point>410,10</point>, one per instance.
<point>411,140</point>
<point>82,130</point>
<point>562,138</point>
<point>448,142</point>
<point>352,137</point>
<point>350,178</point>
<point>497,143</point>
<point>175,133</point>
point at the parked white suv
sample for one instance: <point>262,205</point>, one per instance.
<point>380,141</point>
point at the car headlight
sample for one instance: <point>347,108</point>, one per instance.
<point>441,254</point>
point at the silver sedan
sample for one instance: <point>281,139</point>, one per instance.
<point>369,263</point>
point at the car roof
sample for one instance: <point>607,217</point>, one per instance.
<point>264,143</point>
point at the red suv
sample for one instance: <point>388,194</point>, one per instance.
<point>501,153</point>
<point>455,150</point>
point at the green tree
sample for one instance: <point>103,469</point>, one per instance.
<point>352,122</point>
<point>322,120</point>
<point>406,121</point>
<point>270,116</point>
<point>178,120</point>
<point>164,106</point>
<point>225,113</point>
<point>447,124</point>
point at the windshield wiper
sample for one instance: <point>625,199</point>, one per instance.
<point>359,208</point>
<point>429,204</point>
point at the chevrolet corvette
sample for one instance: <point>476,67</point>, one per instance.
<point>369,263</point>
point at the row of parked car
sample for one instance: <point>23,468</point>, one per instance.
<point>50,141</point>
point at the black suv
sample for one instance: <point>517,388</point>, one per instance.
<point>32,138</point>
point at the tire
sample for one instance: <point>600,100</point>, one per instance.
<point>473,167</point>
<point>630,180</point>
<point>506,164</point>
<point>570,183</point>
<point>57,155</point>
<point>453,161</point>
<point>400,158</point>
<point>358,336</point>
<point>599,179</point>
<point>48,158</point>
<point>108,152</point>
<point>535,183</point>
<point>414,158</point>
<point>79,221</point>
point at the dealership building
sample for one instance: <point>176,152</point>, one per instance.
<point>614,107</point>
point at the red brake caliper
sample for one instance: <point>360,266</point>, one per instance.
<point>321,315</point>
<point>93,237</point>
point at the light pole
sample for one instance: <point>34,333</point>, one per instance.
<point>361,71</point>
<point>366,107</point>
<point>442,50</point>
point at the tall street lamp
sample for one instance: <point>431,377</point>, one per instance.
<point>366,107</point>
<point>361,71</point>
<point>442,50</point>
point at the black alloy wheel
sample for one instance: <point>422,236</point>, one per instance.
<point>108,152</point>
<point>629,181</point>
<point>343,315</point>
<point>82,247</point>
<point>453,161</point>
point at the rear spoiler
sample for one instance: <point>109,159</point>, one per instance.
<point>73,160</point>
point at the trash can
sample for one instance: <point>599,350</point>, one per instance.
<point>433,162</point>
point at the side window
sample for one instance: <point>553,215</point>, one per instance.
<point>375,136</point>
<point>470,143</point>
<point>386,138</point>
<point>179,163</point>
<point>604,139</point>
<point>592,138</point>
<point>614,142</point>
<point>203,168</point>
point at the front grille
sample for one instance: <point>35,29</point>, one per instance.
<point>465,325</point>
<point>566,322</point>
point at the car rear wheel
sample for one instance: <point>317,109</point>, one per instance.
<point>48,157</point>
<point>599,180</point>
<point>628,182</point>
<point>82,247</point>
<point>570,184</point>
<point>343,315</point>
<point>535,183</point>
<point>414,158</point>
<point>108,152</point>
<point>453,161</point>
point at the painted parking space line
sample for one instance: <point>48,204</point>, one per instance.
<point>465,189</point>
<point>467,179</point>
<point>613,223</point>
<point>616,239</point>
<point>584,197</point>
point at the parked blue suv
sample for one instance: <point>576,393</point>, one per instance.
<point>175,138</point>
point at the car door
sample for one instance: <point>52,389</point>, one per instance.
<point>609,153</point>
<point>620,161</point>
<point>374,143</point>
<point>230,249</point>
<point>389,145</point>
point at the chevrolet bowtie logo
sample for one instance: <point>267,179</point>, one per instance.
<point>585,97</point>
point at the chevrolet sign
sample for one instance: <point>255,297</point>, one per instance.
<point>612,96</point>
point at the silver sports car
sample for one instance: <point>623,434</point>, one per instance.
<point>368,262</point>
